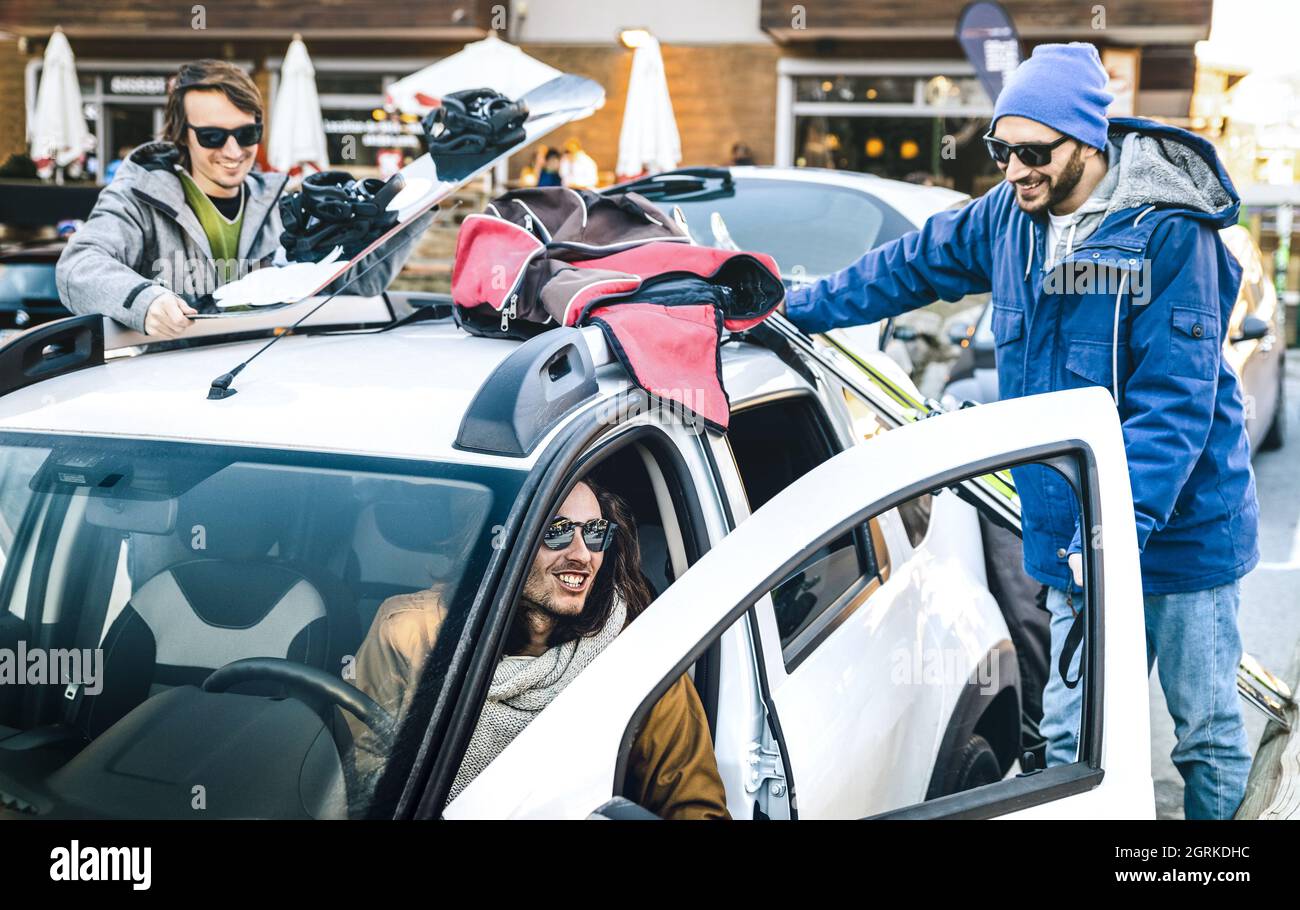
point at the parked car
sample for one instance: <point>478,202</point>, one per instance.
<point>816,221</point>
<point>28,296</point>
<point>817,571</point>
<point>1253,347</point>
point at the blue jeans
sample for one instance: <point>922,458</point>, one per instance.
<point>1196,639</point>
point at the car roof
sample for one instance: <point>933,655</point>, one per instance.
<point>400,393</point>
<point>913,201</point>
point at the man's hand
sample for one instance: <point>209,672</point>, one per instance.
<point>168,316</point>
<point>1076,568</point>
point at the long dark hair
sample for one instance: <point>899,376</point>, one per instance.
<point>620,572</point>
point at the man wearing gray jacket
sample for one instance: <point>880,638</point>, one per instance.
<point>187,214</point>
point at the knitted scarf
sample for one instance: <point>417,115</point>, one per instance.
<point>522,686</point>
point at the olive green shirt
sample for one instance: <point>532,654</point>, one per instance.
<point>222,233</point>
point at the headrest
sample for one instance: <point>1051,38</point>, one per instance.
<point>432,517</point>
<point>238,513</point>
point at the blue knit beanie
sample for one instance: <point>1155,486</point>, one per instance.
<point>1062,86</point>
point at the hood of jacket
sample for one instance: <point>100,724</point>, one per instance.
<point>1152,165</point>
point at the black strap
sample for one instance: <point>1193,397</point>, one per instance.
<point>90,626</point>
<point>1073,639</point>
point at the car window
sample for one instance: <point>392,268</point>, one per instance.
<point>16,469</point>
<point>774,445</point>
<point>639,482</point>
<point>25,283</point>
<point>810,228</point>
<point>948,666</point>
<point>163,566</point>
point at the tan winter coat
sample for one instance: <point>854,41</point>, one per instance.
<point>671,769</point>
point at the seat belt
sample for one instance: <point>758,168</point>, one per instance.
<point>90,627</point>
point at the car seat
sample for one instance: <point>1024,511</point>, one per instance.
<point>235,599</point>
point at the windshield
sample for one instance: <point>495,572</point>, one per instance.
<point>28,296</point>
<point>147,566</point>
<point>810,228</point>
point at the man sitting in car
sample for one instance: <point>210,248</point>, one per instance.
<point>568,613</point>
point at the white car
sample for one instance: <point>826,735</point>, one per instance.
<point>223,553</point>
<point>812,221</point>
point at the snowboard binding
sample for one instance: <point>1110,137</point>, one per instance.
<point>332,209</point>
<point>474,121</point>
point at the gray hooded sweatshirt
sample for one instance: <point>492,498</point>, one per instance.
<point>142,240</point>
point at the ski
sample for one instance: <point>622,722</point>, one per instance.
<point>424,183</point>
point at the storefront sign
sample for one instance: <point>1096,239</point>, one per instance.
<point>989,39</point>
<point>377,134</point>
<point>128,84</point>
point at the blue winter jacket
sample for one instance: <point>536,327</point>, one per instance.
<point>1150,251</point>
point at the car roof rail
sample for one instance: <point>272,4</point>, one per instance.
<point>532,390</point>
<point>49,350</point>
<point>344,311</point>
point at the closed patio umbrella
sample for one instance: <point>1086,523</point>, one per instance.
<point>649,140</point>
<point>490,63</point>
<point>297,131</point>
<point>57,133</point>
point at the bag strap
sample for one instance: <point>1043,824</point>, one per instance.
<point>1073,639</point>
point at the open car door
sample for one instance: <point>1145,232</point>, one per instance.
<point>570,760</point>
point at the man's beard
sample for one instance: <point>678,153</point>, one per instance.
<point>1060,188</point>
<point>537,596</point>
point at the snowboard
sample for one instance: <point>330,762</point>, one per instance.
<point>426,181</point>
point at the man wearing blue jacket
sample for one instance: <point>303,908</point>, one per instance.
<point>1102,255</point>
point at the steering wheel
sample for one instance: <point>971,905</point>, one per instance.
<point>310,685</point>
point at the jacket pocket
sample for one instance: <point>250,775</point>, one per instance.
<point>1008,339</point>
<point>1090,359</point>
<point>1008,324</point>
<point>1193,343</point>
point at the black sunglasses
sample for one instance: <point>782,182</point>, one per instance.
<point>597,534</point>
<point>1031,154</point>
<point>214,137</point>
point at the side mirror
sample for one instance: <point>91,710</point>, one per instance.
<point>959,332</point>
<point>1252,329</point>
<point>905,333</point>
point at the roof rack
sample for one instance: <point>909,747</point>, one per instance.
<point>344,310</point>
<point>532,390</point>
<point>77,342</point>
<point>526,396</point>
<point>49,350</point>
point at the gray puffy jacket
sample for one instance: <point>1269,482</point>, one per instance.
<point>142,240</point>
